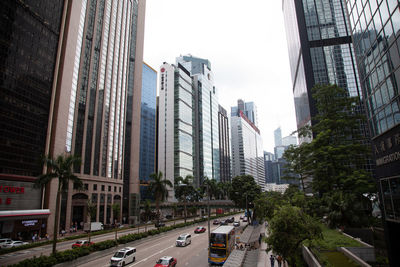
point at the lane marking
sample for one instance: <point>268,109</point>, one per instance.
<point>145,259</point>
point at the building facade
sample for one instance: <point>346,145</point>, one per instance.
<point>175,124</point>
<point>29,45</point>
<point>247,149</point>
<point>147,129</point>
<point>206,135</point>
<point>224,146</point>
<point>375,28</point>
<point>320,51</point>
<point>248,108</point>
<point>93,102</point>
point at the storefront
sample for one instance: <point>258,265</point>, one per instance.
<point>21,216</point>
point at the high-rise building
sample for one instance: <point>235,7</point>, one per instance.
<point>30,43</point>
<point>289,140</point>
<point>175,124</point>
<point>87,71</point>
<point>278,136</point>
<point>206,136</point>
<point>320,51</point>
<point>247,148</point>
<point>268,159</point>
<point>248,108</point>
<point>375,26</point>
<point>224,146</point>
<point>147,129</point>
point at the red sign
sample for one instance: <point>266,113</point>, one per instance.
<point>12,189</point>
<point>7,201</point>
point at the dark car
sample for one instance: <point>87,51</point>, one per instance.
<point>230,220</point>
<point>200,229</point>
<point>159,224</point>
<point>216,222</point>
<point>224,222</point>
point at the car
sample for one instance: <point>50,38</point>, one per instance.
<point>223,222</point>
<point>3,241</point>
<point>123,256</point>
<point>12,244</point>
<point>244,219</point>
<point>166,261</point>
<point>236,224</point>
<point>216,222</point>
<point>184,240</point>
<point>159,224</point>
<point>241,217</point>
<point>200,229</point>
<point>82,243</point>
<point>230,220</point>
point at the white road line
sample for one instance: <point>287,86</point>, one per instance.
<point>145,259</point>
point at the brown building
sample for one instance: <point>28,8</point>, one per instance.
<point>80,95</point>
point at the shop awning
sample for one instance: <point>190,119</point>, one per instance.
<point>8,215</point>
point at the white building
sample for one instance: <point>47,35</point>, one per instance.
<point>247,149</point>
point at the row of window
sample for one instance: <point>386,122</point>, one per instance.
<point>103,187</point>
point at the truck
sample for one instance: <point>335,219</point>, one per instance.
<point>95,226</point>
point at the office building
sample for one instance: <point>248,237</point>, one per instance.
<point>175,124</point>
<point>88,84</point>
<point>147,129</point>
<point>206,136</point>
<point>268,159</point>
<point>375,27</point>
<point>224,145</point>
<point>289,140</point>
<point>29,46</point>
<point>248,108</point>
<point>247,148</point>
<point>278,136</point>
<point>320,51</point>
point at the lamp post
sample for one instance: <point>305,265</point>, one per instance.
<point>208,218</point>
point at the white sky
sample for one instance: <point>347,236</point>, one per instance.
<point>245,42</point>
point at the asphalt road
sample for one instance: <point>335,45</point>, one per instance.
<point>148,250</point>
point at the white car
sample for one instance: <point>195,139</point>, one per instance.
<point>3,241</point>
<point>123,256</point>
<point>184,240</point>
<point>13,243</point>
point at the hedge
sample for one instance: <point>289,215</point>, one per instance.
<point>72,254</point>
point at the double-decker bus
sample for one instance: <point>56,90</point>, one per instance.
<point>222,243</point>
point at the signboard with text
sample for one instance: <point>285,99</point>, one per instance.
<point>386,150</point>
<point>18,195</point>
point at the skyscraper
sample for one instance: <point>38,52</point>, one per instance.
<point>206,136</point>
<point>375,26</point>
<point>175,124</point>
<point>147,129</point>
<point>247,148</point>
<point>224,146</point>
<point>320,51</point>
<point>278,136</point>
<point>248,108</point>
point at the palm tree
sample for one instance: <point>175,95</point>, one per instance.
<point>61,168</point>
<point>91,212</point>
<point>158,186</point>
<point>147,213</point>
<point>183,189</point>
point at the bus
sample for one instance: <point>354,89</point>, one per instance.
<point>222,243</point>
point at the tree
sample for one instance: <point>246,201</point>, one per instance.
<point>298,163</point>
<point>337,155</point>
<point>244,191</point>
<point>184,190</point>
<point>288,228</point>
<point>91,212</point>
<point>158,187</point>
<point>59,168</point>
<point>266,204</point>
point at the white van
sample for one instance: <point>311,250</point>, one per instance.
<point>93,226</point>
<point>123,256</point>
<point>184,240</point>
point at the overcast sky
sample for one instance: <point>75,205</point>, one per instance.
<point>245,42</point>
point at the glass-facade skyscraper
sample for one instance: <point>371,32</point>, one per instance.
<point>224,146</point>
<point>375,26</point>
<point>320,51</point>
<point>147,128</point>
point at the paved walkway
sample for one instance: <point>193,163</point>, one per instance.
<point>263,258</point>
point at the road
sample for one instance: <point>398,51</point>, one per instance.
<point>151,245</point>
<point>149,250</point>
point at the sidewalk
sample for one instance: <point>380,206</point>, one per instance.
<point>263,258</point>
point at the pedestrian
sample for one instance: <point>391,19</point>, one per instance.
<point>33,238</point>
<point>272,259</point>
<point>279,260</point>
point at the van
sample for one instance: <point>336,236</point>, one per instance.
<point>184,240</point>
<point>123,257</point>
<point>93,226</point>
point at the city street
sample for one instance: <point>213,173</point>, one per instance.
<point>148,250</point>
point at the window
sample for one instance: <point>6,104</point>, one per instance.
<point>109,188</point>
<point>95,187</point>
<point>86,187</point>
<point>103,187</point>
